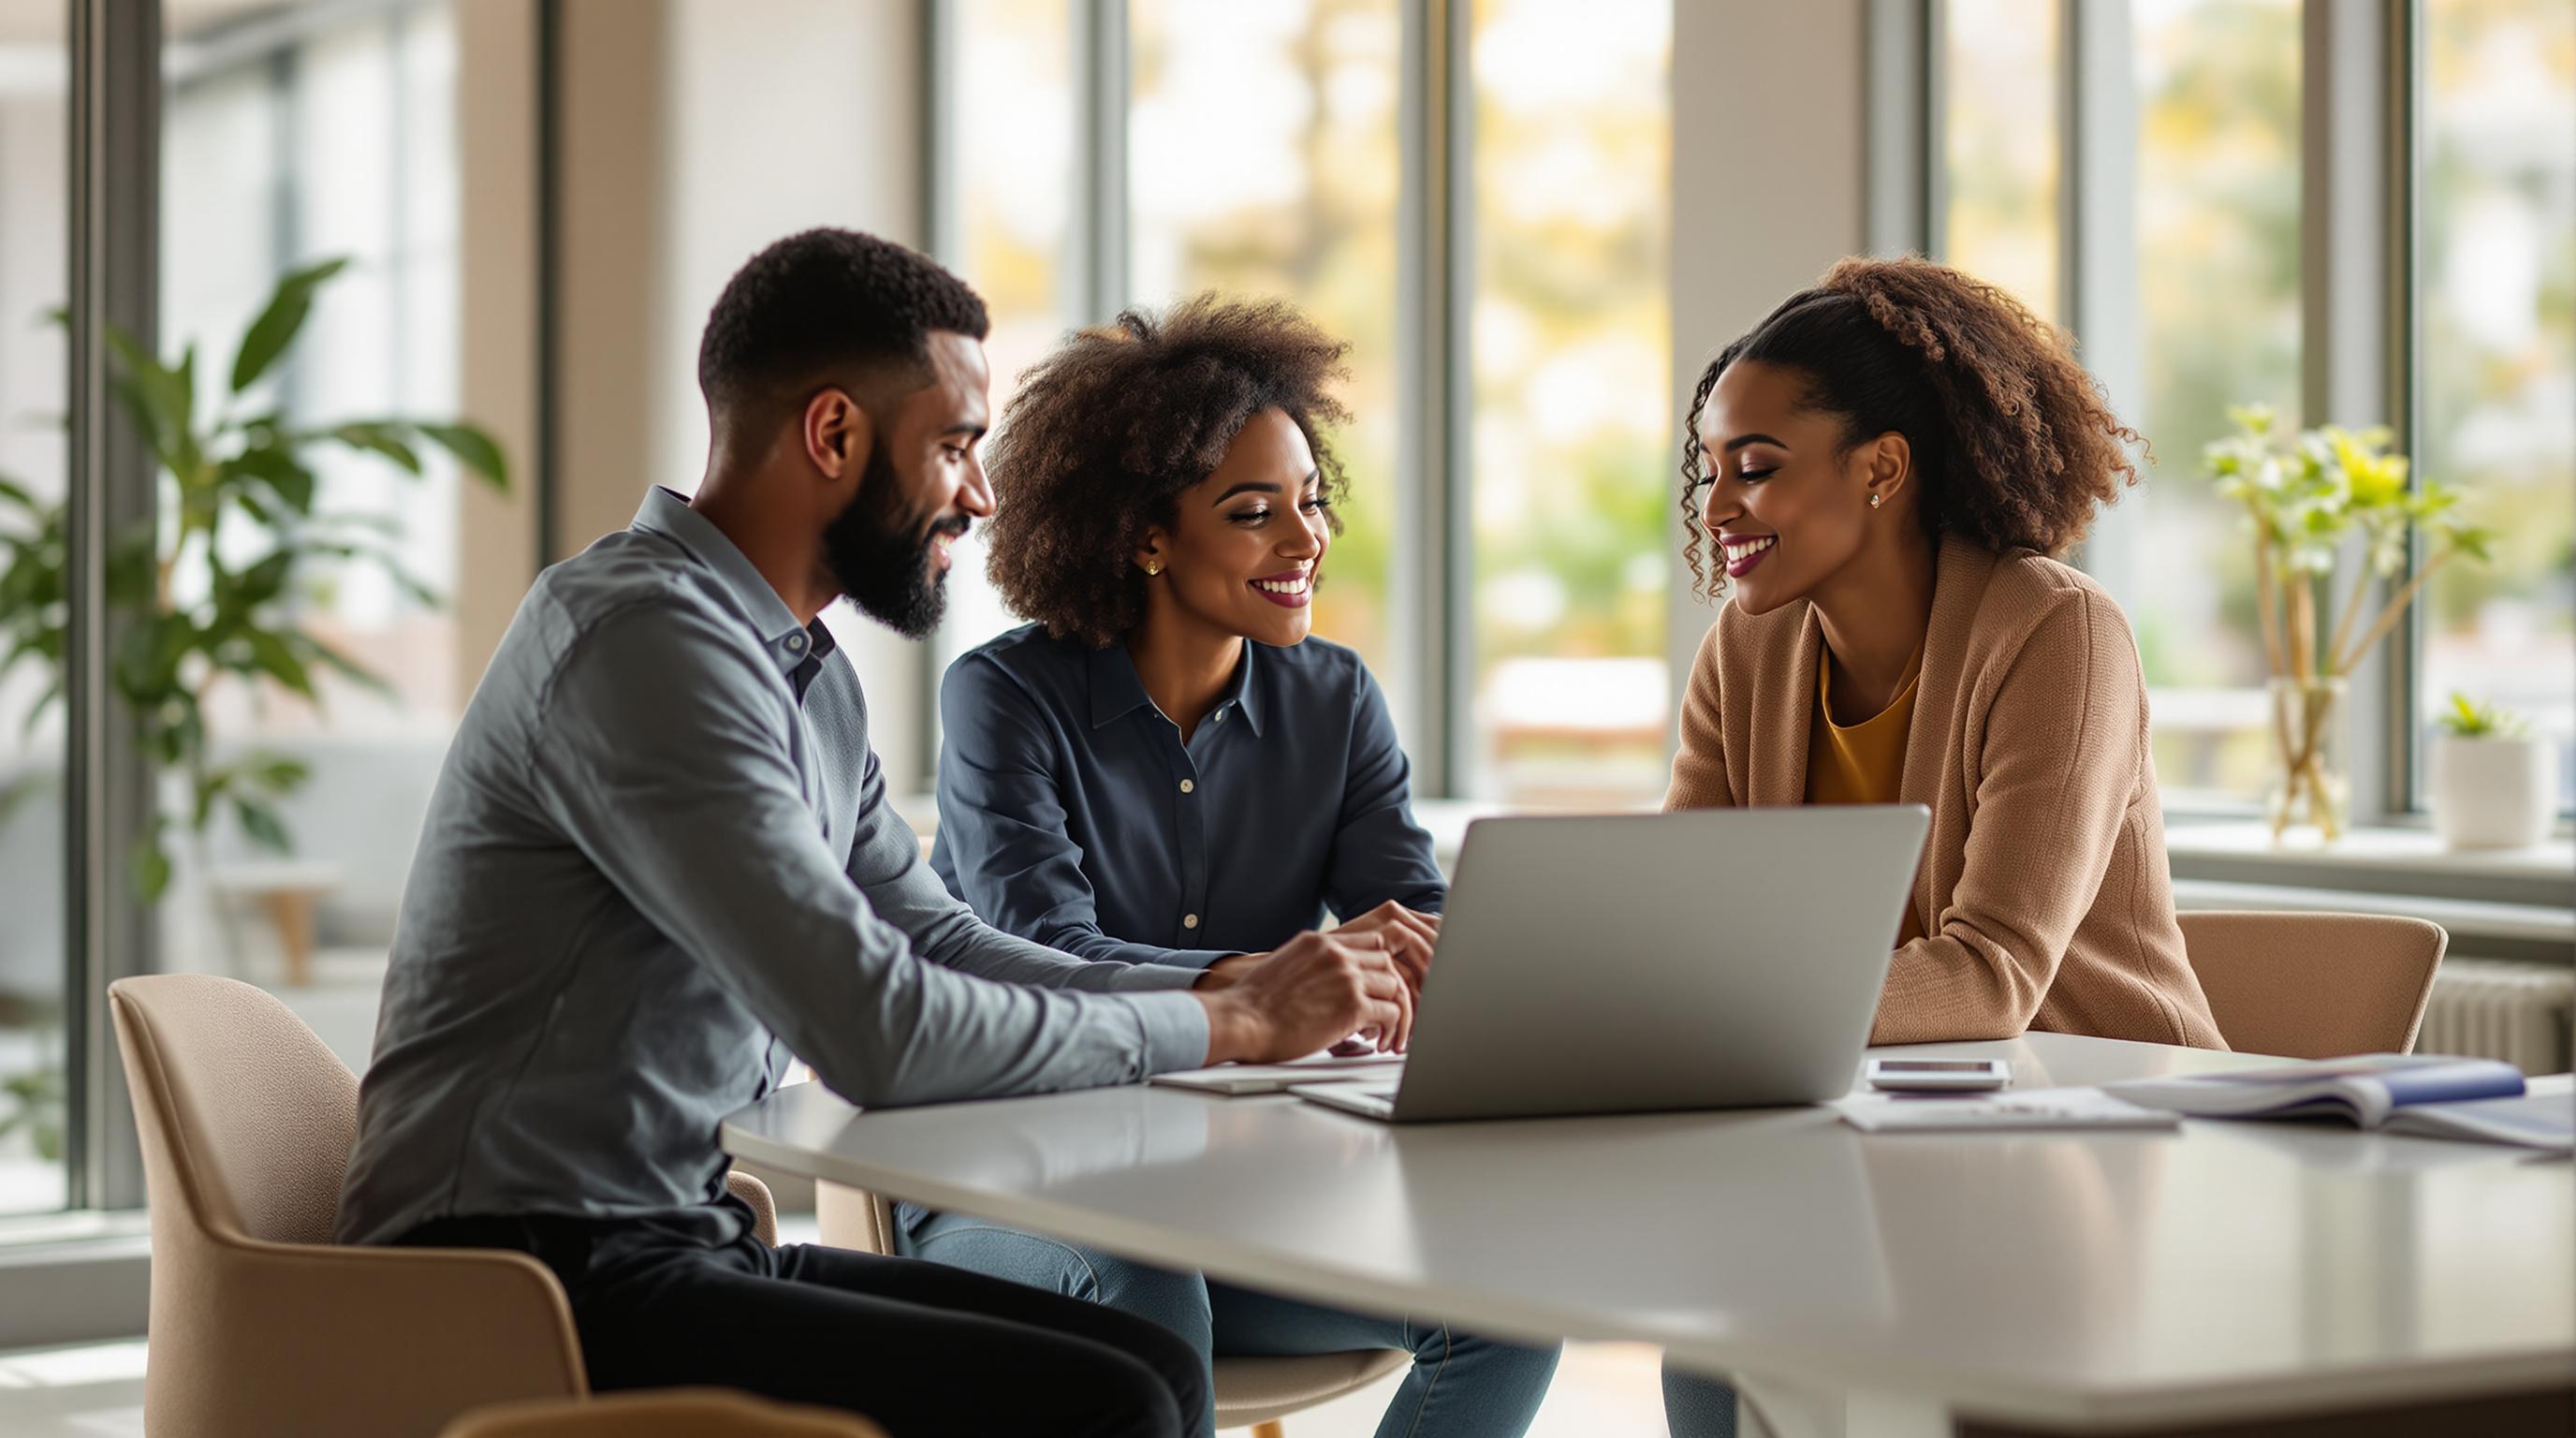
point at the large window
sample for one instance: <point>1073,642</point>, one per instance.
<point>2193,144</point>
<point>2184,282</point>
<point>1262,161</point>
<point>1012,196</point>
<point>2000,130</point>
<point>2497,377</point>
<point>1264,155</point>
<point>293,134</point>
<point>34,177</point>
<point>1571,364</point>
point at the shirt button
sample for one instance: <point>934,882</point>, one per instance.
<point>1189,921</point>
<point>795,641</point>
<point>1187,786</point>
<point>1220,716</point>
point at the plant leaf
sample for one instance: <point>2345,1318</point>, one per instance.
<point>474,448</point>
<point>273,658</point>
<point>314,650</point>
<point>276,327</point>
<point>262,824</point>
<point>263,581</point>
<point>150,867</point>
<point>276,773</point>
<point>275,466</point>
<point>384,437</point>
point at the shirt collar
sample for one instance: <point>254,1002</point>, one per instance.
<point>789,644</point>
<point>1117,690</point>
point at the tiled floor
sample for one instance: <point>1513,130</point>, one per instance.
<point>1602,1391</point>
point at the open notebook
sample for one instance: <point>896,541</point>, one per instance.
<point>2424,1095</point>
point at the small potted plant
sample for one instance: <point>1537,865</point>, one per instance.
<point>2495,785</point>
<point>2304,497</point>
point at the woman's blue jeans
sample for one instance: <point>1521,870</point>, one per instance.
<point>1461,1386</point>
<point>1697,1406</point>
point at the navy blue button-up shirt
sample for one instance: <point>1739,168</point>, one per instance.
<point>1071,812</point>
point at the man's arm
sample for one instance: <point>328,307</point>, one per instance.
<point>885,861</point>
<point>665,757</point>
<point>1002,823</point>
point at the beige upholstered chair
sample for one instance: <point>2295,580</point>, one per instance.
<point>2313,986</point>
<point>260,1325</point>
<point>668,1413</point>
<point>1251,1393</point>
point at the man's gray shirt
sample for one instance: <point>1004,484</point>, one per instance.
<point>658,859</point>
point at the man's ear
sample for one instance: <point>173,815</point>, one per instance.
<point>836,432</point>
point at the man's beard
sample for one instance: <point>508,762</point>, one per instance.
<point>881,558</point>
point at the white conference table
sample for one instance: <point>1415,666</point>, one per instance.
<point>2059,1282</point>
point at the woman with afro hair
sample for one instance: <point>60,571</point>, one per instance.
<point>1878,479</point>
<point>1164,768</point>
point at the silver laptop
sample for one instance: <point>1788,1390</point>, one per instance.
<point>1711,958</point>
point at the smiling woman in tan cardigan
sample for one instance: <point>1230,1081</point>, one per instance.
<point>1883,468</point>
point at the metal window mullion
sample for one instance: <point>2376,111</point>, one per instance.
<point>1101,95</point>
<point>115,229</point>
<point>1433,607</point>
<point>1901,165</point>
<point>1935,82</point>
<point>2355,226</point>
<point>2402,134</point>
<point>942,239</point>
<point>2099,260</point>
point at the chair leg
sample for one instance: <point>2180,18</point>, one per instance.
<point>1272,1429</point>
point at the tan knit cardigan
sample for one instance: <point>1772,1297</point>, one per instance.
<point>2044,893</point>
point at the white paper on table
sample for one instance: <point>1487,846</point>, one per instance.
<point>2022,1109</point>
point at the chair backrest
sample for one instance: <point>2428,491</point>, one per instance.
<point>2315,985</point>
<point>260,1325</point>
<point>246,1117</point>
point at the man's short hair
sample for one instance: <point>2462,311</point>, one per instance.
<point>827,303</point>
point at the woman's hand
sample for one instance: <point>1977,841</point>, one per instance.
<point>1408,935</point>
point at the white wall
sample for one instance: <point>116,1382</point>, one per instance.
<point>810,117</point>
<point>694,133</point>
<point>1770,110</point>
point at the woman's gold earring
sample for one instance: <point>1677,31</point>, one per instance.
<point>1874,499</point>
<point>1152,569</point>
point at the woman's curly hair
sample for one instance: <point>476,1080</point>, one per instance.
<point>2013,443</point>
<point>1106,430</point>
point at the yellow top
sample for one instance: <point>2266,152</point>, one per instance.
<point>1863,763</point>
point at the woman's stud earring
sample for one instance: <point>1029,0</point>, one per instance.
<point>1874,499</point>
<point>1152,569</point>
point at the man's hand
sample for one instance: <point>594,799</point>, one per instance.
<point>1409,937</point>
<point>1314,990</point>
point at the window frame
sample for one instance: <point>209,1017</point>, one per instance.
<point>1433,573</point>
<point>2362,150</point>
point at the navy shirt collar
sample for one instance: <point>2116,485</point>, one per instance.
<point>789,644</point>
<point>1117,690</point>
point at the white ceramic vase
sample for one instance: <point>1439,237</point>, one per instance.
<point>2493,793</point>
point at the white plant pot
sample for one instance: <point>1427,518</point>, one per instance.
<point>2493,793</point>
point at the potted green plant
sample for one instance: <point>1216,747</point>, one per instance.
<point>2495,784</point>
<point>214,592</point>
<point>2304,499</point>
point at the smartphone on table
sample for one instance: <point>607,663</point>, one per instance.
<point>1937,1075</point>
